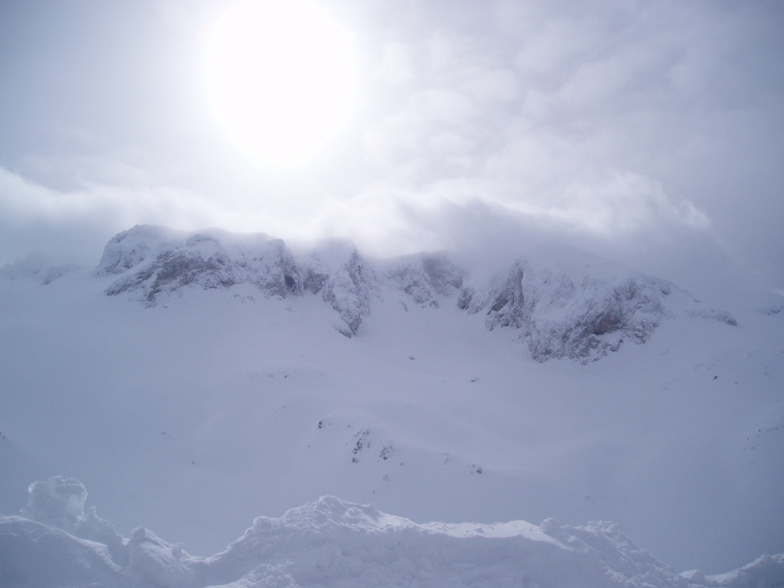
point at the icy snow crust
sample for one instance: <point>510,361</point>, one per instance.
<point>335,543</point>
<point>195,410</point>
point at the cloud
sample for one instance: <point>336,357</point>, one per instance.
<point>78,222</point>
<point>614,123</point>
<point>554,127</point>
<point>621,121</point>
<point>663,236</point>
<point>622,204</point>
<point>397,64</point>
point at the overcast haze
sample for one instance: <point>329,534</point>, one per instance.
<point>647,131</point>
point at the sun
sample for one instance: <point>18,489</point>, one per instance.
<point>282,76</point>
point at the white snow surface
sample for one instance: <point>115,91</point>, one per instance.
<point>256,379</point>
<point>331,542</point>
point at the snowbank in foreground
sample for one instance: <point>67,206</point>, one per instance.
<point>335,543</point>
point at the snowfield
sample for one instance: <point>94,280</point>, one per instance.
<point>195,381</point>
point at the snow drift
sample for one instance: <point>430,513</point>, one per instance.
<point>335,543</point>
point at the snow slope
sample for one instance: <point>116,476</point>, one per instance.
<point>233,391</point>
<point>334,543</point>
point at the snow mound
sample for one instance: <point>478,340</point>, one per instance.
<point>335,543</point>
<point>57,502</point>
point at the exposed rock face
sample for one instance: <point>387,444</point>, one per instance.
<point>427,278</point>
<point>573,306</point>
<point>166,263</point>
<point>347,287</point>
<point>583,321</point>
<point>153,262</point>
<point>506,302</point>
<point>129,248</point>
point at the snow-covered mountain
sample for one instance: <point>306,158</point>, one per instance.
<point>563,304</point>
<point>194,381</point>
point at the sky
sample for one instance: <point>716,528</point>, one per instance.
<point>651,132</point>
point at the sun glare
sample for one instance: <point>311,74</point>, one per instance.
<point>282,76</point>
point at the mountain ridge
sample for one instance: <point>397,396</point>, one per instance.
<point>582,312</point>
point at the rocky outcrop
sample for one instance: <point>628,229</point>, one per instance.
<point>130,248</point>
<point>346,286</point>
<point>429,279</point>
<point>581,317</point>
<point>153,263</point>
